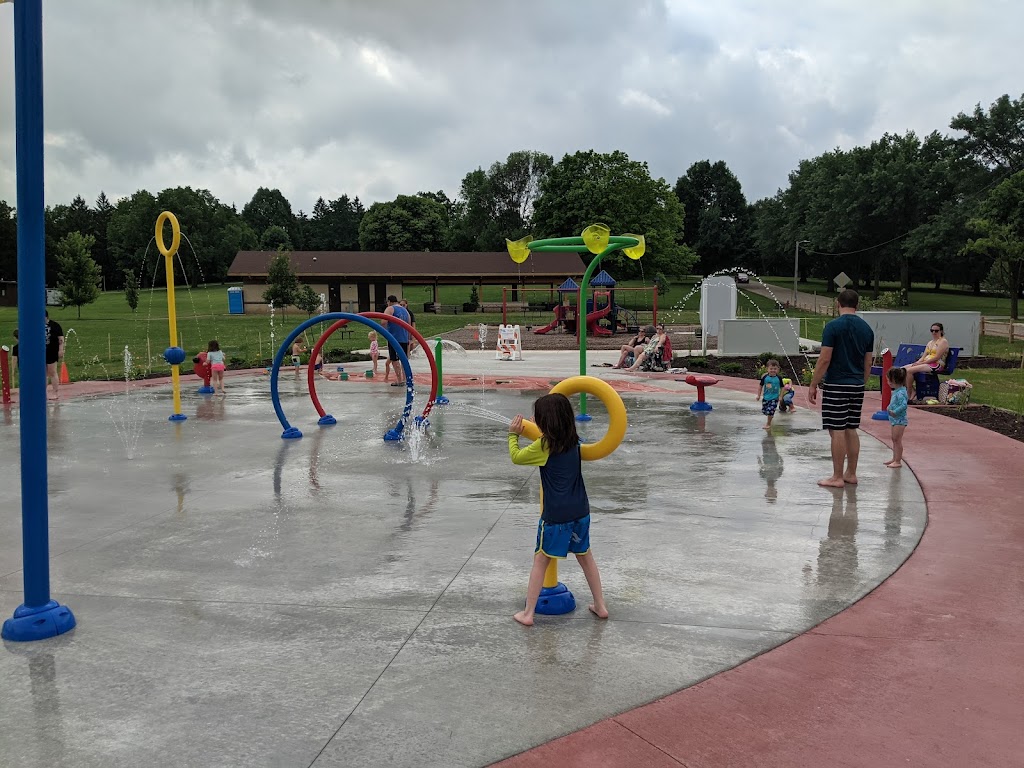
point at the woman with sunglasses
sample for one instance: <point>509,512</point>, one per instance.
<point>933,359</point>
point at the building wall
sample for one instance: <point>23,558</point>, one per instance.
<point>252,295</point>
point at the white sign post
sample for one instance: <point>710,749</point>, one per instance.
<point>842,280</point>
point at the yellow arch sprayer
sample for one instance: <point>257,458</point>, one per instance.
<point>174,354</point>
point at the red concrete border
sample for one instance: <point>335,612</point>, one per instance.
<point>927,670</point>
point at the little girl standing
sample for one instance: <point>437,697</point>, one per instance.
<point>897,414</point>
<point>215,359</point>
<point>564,525</point>
<point>374,350</point>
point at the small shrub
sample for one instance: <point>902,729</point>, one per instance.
<point>697,362</point>
<point>761,370</point>
<point>730,367</point>
<point>806,375</point>
<point>238,362</point>
<point>764,357</point>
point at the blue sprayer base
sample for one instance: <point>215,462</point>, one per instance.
<point>206,390</point>
<point>327,420</point>
<point>554,601</point>
<point>292,433</point>
<point>38,623</point>
<point>880,416</point>
<point>177,417</point>
<point>699,406</point>
<point>584,417</point>
<point>441,400</point>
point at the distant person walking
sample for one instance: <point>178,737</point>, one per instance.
<point>843,369</point>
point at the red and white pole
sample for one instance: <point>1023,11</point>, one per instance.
<point>886,388</point>
<point>5,375</point>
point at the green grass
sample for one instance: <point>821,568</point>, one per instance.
<point>923,297</point>
<point>1001,387</point>
<point>94,350</point>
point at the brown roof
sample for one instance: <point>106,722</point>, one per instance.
<point>413,265</point>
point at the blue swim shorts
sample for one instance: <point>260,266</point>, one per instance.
<point>559,539</point>
<point>768,407</point>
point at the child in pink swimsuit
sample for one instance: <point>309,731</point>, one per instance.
<point>374,350</point>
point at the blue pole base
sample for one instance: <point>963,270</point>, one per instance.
<point>327,420</point>
<point>554,601</point>
<point>177,417</point>
<point>422,422</point>
<point>394,434</point>
<point>699,406</point>
<point>584,417</point>
<point>204,390</point>
<point>38,623</point>
<point>880,416</point>
<point>292,433</point>
<point>441,400</point>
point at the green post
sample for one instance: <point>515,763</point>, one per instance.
<point>438,348</point>
<point>581,323</point>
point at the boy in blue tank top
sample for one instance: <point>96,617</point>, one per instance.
<point>564,525</point>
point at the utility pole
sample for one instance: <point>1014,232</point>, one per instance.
<point>796,268</point>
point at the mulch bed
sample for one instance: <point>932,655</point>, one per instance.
<point>998,420</point>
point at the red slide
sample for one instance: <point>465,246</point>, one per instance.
<point>592,327</point>
<point>559,317</point>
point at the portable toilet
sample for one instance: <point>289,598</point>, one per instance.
<point>236,303</point>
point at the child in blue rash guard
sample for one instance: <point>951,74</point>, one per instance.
<point>564,525</point>
<point>897,414</point>
<point>770,389</point>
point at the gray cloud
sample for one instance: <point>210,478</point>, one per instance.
<point>377,98</point>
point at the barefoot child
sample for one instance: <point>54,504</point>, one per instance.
<point>215,359</point>
<point>897,414</point>
<point>297,351</point>
<point>770,389</point>
<point>374,350</point>
<point>564,525</point>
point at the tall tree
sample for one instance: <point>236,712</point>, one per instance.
<point>498,203</point>
<point>101,214</point>
<point>269,208</point>
<point>407,223</point>
<point>590,187</point>
<point>129,234</point>
<point>8,242</point>
<point>717,218</point>
<point>1000,230</point>
<point>995,138</point>
<point>78,275</point>
<point>275,238</point>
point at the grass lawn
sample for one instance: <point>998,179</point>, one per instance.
<point>94,344</point>
<point>923,298</point>
<point>1001,387</point>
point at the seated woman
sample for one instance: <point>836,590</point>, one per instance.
<point>635,347</point>
<point>658,337</point>
<point>933,359</point>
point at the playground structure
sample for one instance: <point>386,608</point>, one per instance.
<point>598,239</point>
<point>605,315</point>
<point>555,598</point>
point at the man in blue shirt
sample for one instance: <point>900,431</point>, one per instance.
<point>401,335</point>
<point>847,349</point>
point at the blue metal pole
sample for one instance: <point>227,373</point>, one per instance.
<point>39,617</point>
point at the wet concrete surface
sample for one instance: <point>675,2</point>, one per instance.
<point>339,601</point>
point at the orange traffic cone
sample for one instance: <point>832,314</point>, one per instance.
<point>64,378</point>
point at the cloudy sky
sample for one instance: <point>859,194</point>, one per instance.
<point>380,97</point>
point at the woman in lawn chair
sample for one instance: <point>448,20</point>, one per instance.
<point>657,355</point>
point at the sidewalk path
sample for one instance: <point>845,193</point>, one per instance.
<point>924,671</point>
<point>807,301</point>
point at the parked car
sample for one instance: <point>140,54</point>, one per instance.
<point>742,277</point>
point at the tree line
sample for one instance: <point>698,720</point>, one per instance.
<point>946,209</point>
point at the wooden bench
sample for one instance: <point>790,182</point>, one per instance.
<point>926,384</point>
